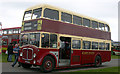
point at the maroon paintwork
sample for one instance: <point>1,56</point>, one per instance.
<point>78,57</point>
<point>70,29</point>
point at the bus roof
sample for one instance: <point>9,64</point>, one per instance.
<point>11,28</point>
<point>64,10</point>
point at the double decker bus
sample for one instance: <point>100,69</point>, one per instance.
<point>10,35</point>
<point>55,38</point>
<point>0,37</point>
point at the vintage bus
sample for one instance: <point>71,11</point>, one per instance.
<point>55,38</point>
<point>10,35</point>
<point>0,37</point>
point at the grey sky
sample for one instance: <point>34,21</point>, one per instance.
<point>11,11</point>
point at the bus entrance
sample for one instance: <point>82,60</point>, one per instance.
<point>64,51</point>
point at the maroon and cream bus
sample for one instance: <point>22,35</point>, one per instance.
<point>10,35</point>
<point>54,38</point>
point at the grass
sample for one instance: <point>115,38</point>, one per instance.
<point>110,69</point>
<point>3,57</point>
<point>115,56</point>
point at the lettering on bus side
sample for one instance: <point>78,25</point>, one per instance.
<point>88,53</point>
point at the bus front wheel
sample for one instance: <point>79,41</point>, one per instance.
<point>48,64</point>
<point>97,61</point>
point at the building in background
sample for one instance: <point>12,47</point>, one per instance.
<point>10,35</point>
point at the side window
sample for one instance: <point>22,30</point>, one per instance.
<point>77,20</point>
<point>107,28</point>
<point>107,46</point>
<point>101,26</point>
<point>86,22</point>
<point>5,32</point>
<point>52,14</point>
<point>94,24</point>
<point>66,17</point>
<point>76,44</point>
<point>95,45</point>
<point>10,31</point>
<point>45,40</point>
<point>53,41</point>
<point>101,46</point>
<point>86,44</point>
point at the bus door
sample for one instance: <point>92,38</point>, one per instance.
<point>64,51</point>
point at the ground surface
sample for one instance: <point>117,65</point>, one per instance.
<point>6,67</point>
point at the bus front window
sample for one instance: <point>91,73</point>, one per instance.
<point>27,15</point>
<point>24,39</point>
<point>37,13</point>
<point>35,39</point>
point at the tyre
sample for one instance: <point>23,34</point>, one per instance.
<point>26,65</point>
<point>48,64</point>
<point>97,61</point>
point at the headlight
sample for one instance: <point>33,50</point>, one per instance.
<point>34,61</point>
<point>21,54</point>
<point>34,55</point>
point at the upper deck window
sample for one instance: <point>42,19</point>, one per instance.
<point>66,17</point>
<point>37,13</point>
<point>86,22</point>
<point>107,28</point>
<point>27,15</point>
<point>94,24</point>
<point>101,26</point>
<point>77,20</point>
<point>52,14</point>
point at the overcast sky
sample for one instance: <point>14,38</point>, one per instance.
<point>11,11</point>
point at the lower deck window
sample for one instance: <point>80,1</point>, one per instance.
<point>101,46</point>
<point>107,46</point>
<point>86,44</point>
<point>49,40</point>
<point>76,44</point>
<point>45,40</point>
<point>94,45</point>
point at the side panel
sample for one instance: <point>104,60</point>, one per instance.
<point>88,56</point>
<point>66,28</point>
<point>75,57</point>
